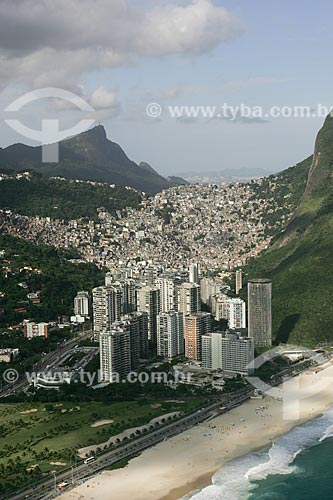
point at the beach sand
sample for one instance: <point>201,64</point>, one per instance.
<point>186,462</point>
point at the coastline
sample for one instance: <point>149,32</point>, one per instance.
<point>206,479</point>
<point>187,462</point>
<point>198,484</point>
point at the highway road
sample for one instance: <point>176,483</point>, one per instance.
<point>48,361</point>
<point>47,489</point>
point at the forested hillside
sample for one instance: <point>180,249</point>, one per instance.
<point>300,262</point>
<point>26,268</point>
<point>35,195</point>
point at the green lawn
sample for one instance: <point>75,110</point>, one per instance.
<point>36,438</point>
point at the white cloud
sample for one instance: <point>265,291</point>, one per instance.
<point>103,98</point>
<point>105,103</point>
<point>193,29</point>
<point>43,43</point>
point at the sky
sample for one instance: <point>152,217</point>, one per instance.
<point>122,55</point>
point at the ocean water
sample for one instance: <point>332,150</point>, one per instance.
<point>298,466</point>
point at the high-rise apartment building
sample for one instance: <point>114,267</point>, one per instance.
<point>170,334</point>
<point>82,304</point>
<point>236,313</point>
<point>260,312</point>
<point>208,288</point>
<point>133,328</point>
<point>189,298</point>
<point>196,325</point>
<point>128,295</point>
<point>168,291</point>
<point>149,301</point>
<point>106,307</point>
<point>115,354</point>
<point>228,352</point>
<point>111,302</point>
<point>219,306</point>
<point>138,326</point>
<point>194,274</point>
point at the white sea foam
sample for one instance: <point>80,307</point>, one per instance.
<point>235,480</point>
<point>327,434</point>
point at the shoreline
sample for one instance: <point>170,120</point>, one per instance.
<point>198,484</point>
<point>187,462</point>
<point>206,479</point>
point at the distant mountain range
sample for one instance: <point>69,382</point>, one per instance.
<point>300,262</point>
<point>225,175</point>
<point>89,156</point>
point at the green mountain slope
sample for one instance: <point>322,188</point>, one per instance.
<point>34,194</point>
<point>300,262</point>
<point>87,156</point>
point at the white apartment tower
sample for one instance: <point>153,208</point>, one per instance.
<point>236,313</point>
<point>170,334</point>
<point>194,274</point>
<point>82,304</point>
<point>228,352</point>
<point>115,355</point>
<point>168,291</point>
